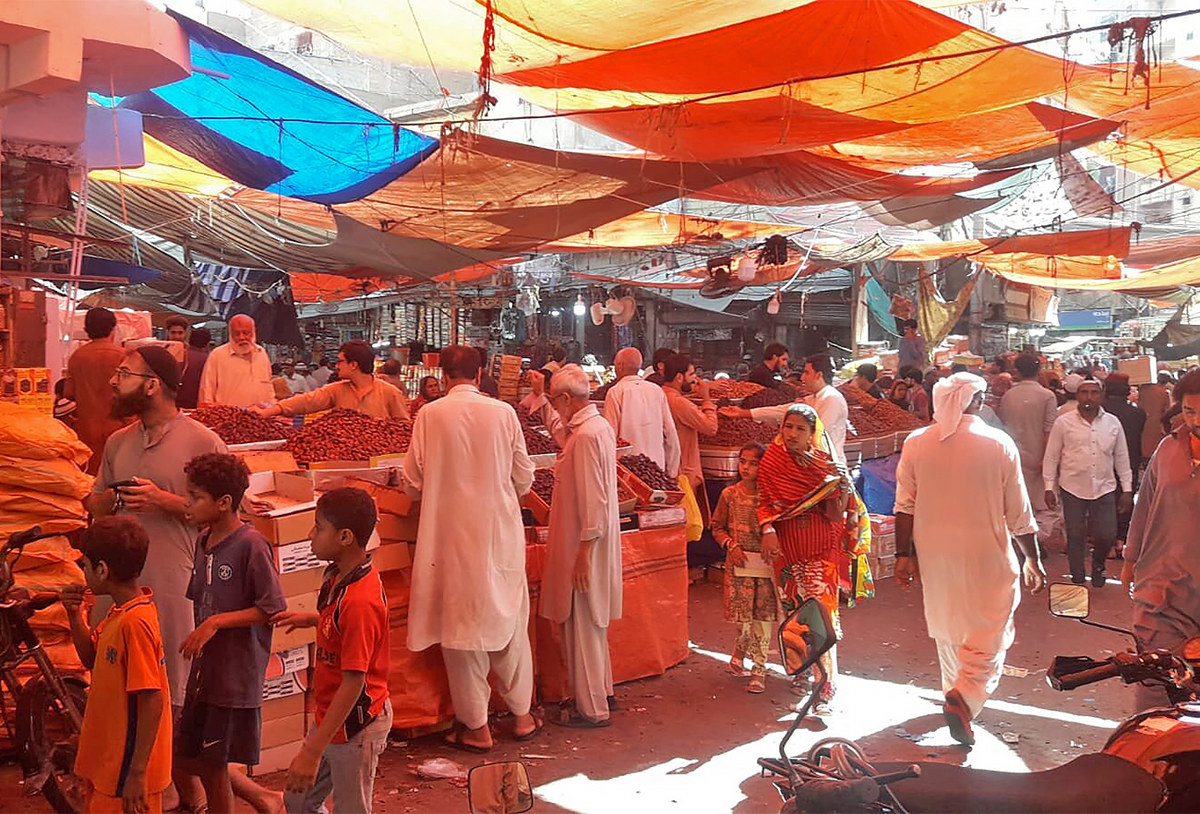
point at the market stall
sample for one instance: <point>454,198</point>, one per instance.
<point>346,448</point>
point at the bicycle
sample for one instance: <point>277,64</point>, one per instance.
<point>49,706</point>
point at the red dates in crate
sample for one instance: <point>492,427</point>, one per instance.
<point>543,484</point>
<point>237,426</point>
<point>347,435</point>
<point>649,472</point>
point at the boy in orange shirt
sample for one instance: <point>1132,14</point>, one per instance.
<point>350,690</point>
<point>125,746</point>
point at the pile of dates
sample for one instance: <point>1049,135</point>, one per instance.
<point>735,432</point>
<point>348,435</point>
<point>730,389</point>
<point>238,426</point>
<point>543,484</point>
<point>649,472</point>
<point>538,443</point>
<point>771,396</point>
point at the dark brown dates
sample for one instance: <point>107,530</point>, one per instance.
<point>347,435</point>
<point>237,426</point>
<point>649,472</point>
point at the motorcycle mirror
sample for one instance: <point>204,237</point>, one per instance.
<point>499,788</point>
<point>1069,601</point>
<point>806,635</point>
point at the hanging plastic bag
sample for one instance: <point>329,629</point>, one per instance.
<point>694,525</point>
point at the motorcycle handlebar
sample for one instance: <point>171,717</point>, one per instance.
<point>1074,680</point>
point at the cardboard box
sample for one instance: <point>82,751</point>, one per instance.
<point>392,556</point>
<point>304,603</point>
<point>282,640</point>
<point>282,731</point>
<point>283,707</point>
<point>295,557</point>
<point>285,685</point>
<point>275,758</point>
<point>267,461</point>
<point>294,510</point>
<point>882,567</point>
<point>288,661</point>
<point>662,518</point>
<point>1141,369</point>
<point>883,545</point>
<point>388,499</point>
<point>303,581</point>
<point>394,527</point>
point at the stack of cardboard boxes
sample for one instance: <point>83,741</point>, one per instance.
<point>286,708</point>
<point>883,546</point>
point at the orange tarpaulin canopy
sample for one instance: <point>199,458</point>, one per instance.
<point>1160,124</point>
<point>751,89</point>
<point>322,287</point>
<point>485,193</point>
<point>805,177</point>
<point>1144,283</point>
<point>649,228</point>
<point>1015,136</point>
<point>1085,255</point>
<point>1112,242</point>
<point>529,33</point>
<point>167,168</point>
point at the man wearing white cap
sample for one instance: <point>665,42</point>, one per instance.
<point>1071,386</point>
<point>960,496</point>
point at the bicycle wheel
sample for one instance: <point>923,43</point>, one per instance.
<point>48,742</point>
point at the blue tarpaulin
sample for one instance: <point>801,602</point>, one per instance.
<point>877,484</point>
<point>267,127</point>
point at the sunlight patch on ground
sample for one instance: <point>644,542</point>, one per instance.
<point>862,708</point>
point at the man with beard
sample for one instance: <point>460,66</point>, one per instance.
<point>690,421</point>
<point>1162,561</point>
<point>238,373</point>
<point>1084,450</point>
<point>141,473</point>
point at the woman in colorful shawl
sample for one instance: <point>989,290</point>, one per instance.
<point>803,496</point>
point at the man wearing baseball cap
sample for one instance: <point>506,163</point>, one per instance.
<point>1070,387</point>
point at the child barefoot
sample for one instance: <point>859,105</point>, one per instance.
<point>749,600</point>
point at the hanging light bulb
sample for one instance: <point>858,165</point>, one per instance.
<point>773,304</point>
<point>580,307</point>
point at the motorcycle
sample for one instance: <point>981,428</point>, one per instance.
<point>1151,762</point>
<point>49,706</point>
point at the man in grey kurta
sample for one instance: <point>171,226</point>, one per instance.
<point>152,451</point>
<point>1162,559</point>
<point>581,586</point>
<point>1028,411</point>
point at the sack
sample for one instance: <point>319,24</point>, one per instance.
<point>26,433</point>
<point>57,476</point>
<point>16,499</point>
<point>694,526</point>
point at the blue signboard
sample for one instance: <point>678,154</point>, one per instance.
<point>1099,319</point>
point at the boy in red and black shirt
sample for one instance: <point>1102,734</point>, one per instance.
<point>353,711</point>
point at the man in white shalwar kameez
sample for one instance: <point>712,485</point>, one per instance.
<point>581,586</point>
<point>468,463</point>
<point>638,412</point>
<point>960,495</point>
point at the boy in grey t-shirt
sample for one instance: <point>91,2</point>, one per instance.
<point>234,590</point>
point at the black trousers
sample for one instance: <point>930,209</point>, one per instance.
<point>1097,518</point>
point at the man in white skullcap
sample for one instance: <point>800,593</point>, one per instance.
<point>960,496</point>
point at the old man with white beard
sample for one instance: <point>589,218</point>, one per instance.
<point>581,587</point>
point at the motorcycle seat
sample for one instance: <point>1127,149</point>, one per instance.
<point>1089,783</point>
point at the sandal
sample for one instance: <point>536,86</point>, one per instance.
<point>539,723</point>
<point>958,718</point>
<point>454,740</point>
<point>575,720</point>
<point>757,684</point>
